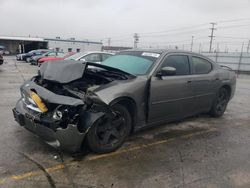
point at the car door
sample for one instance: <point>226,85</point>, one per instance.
<point>204,83</point>
<point>171,96</point>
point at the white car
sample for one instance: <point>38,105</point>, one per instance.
<point>90,56</point>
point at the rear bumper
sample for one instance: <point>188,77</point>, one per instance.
<point>68,139</point>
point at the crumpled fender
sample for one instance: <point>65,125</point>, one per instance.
<point>97,109</point>
<point>87,120</point>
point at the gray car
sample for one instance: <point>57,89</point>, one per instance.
<point>70,103</point>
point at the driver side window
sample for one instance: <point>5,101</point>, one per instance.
<point>179,62</point>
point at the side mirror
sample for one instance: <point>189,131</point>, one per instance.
<point>166,71</point>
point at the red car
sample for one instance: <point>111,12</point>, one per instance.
<point>44,59</point>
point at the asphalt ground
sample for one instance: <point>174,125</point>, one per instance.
<point>196,152</point>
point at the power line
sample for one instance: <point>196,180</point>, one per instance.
<point>175,29</point>
<point>234,26</point>
<point>212,36</point>
<point>233,20</point>
<point>230,37</point>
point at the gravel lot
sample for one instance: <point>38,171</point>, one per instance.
<point>196,152</point>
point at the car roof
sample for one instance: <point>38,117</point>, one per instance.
<point>88,52</point>
<point>161,51</point>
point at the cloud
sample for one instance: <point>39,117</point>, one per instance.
<point>97,19</point>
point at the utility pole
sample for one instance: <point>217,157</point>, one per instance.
<point>192,43</point>
<point>109,41</point>
<point>248,46</point>
<point>136,40</point>
<point>218,48</point>
<point>200,48</point>
<point>211,36</point>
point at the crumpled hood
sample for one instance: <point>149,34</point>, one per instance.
<point>62,71</point>
<point>65,71</point>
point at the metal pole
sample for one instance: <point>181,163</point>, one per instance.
<point>109,41</point>
<point>136,40</point>
<point>241,53</point>
<point>192,43</point>
<point>200,48</point>
<point>211,36</point>
<point>248,46</point>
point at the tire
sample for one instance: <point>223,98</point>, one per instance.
<point>220,103</point>
<point>108,135</point>
<point>28,60</point>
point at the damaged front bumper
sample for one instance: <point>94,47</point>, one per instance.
<point>69,139</point>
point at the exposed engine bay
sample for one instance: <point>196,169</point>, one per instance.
<point>85,78</point>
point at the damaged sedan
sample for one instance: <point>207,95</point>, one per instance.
<point>72,104</point>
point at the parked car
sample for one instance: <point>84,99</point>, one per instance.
<point>1,59</point>
<point>35,59</point>
<point>70,103</point>
<point>54,58</point>
<point>24,56</point>
<point>90,56</point>
<point>3,50</point>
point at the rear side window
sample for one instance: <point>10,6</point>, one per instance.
<point>105,56</point>
<point>94,58</point>
<point>179,62</point>
<point>201,66</point>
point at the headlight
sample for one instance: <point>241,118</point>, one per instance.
<point>38,102</point>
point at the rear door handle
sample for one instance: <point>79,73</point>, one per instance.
<point>189,81</point>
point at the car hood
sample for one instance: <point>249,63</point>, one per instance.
<point>65,71</point>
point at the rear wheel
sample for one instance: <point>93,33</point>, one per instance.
<point>107,135</point>
<point>220,103</point>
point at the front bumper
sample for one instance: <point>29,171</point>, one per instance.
<point>68,139</point>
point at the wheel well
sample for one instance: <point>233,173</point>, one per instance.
<point>130,105</point>
<point>228,88</point>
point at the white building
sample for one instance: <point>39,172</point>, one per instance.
<point>72,45</point>
<point>24,44</point>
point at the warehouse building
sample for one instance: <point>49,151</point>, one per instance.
<point>24,44</point>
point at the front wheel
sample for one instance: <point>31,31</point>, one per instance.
<point>107,135</point>
<point>220,103</point>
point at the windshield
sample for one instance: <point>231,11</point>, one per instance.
<point>76,56</point>
<point>137,63</point>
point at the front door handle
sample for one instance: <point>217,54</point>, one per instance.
<point>189,81</point>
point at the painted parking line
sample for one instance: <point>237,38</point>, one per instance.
<point>96,157</point>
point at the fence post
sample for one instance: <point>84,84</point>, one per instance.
<point>216,57</point>
<point>241,53</point>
